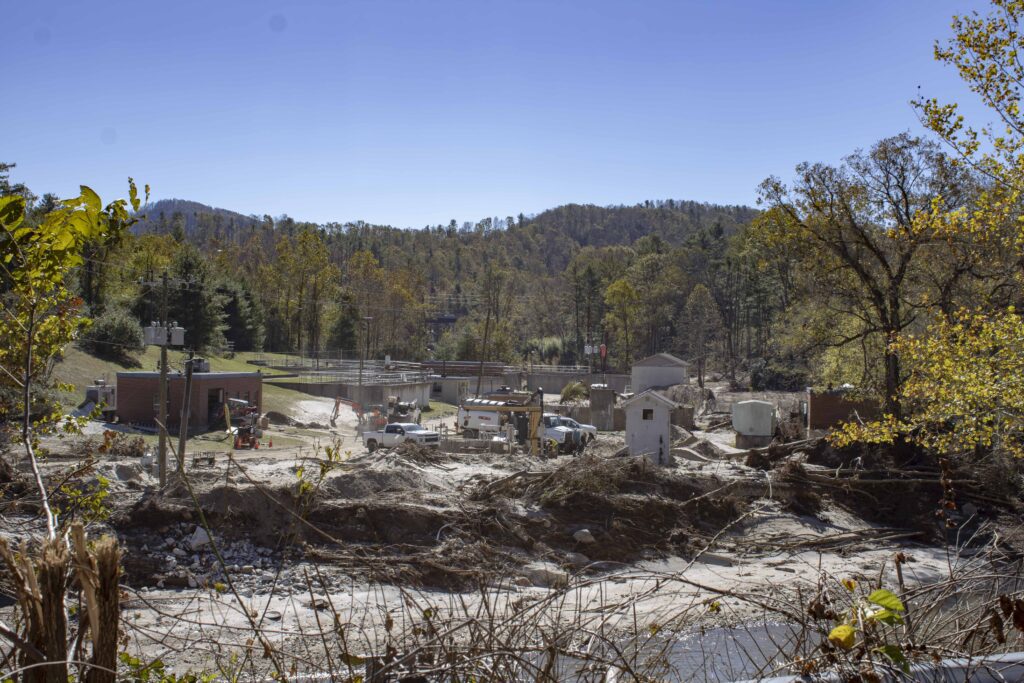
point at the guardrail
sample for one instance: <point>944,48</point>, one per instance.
<point>456,367</point>
<point>559,369</point>
<point>989,669</point>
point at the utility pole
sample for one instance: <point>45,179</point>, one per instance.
<point>163,334</point>
<point>186,407</point>
<point>162,456</point>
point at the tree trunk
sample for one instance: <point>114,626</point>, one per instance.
<point>892,382</point>
<point>40,584</point>
<point>98,573</point>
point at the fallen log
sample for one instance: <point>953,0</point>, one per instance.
<point>853,539</point>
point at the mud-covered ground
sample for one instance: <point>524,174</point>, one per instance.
<point>301,541</point>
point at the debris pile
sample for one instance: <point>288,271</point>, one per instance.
<point>424,516</point>
<point>628,508</point>
<point>418,515</point>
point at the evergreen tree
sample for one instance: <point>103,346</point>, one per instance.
<point>194,301</point>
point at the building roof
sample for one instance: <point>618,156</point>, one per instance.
<point>651,394</point>
<point>661,360</point>
<point>196,376</point>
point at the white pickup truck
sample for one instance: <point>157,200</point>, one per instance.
<point>567,438</point>
<point>398,432</point>
<point>589,431</point>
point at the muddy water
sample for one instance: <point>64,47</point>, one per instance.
<point>731,654</point>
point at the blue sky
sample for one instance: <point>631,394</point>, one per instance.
<point>416,112</point>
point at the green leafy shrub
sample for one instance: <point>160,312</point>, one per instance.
<point>115,334</point>
<point>574,392</point>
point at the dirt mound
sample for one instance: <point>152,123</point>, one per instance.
<point>897,486</point>
<point>610,476</point>
<point>708,449</point>
<point>369,522</point>
<point>369,482</point>
<point>152,511</point>
<point>243,511</point>
<point>628,505</point>
<point>433,519</point>
<point>277,418</point>
<point>865,456</point>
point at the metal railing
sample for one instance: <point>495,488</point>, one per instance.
<point>337,369</point>
<point>560,369</point>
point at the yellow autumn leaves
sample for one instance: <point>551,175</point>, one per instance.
<point>965,389</point>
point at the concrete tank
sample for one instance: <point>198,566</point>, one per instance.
<point>754,422</point>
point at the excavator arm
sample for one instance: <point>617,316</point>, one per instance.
<point>356,407</point>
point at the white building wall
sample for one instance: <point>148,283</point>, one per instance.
<point>420,392</point>
<point>648,437</point>
<point>453,389</point>
<point>645,376</point>
<point>457,389</point>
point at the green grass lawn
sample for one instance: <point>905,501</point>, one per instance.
<point>440,409</point>
<point>81,369</point>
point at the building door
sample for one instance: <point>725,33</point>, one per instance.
<point>215,407</point>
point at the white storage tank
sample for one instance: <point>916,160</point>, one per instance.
<point>754,422</point>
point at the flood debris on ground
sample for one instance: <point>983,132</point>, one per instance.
<point>365,530</point>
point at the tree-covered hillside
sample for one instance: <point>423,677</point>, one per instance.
<point>500,288</point>
<point>562,230</point>
<point>192,219</point>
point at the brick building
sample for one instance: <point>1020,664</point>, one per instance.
<point>138,396</point>
<point>828,409</point>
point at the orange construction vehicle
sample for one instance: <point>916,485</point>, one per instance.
<point>374,416</point>
<point>243,421</point>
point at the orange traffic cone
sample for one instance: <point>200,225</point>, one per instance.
<point>270,442</point>
<point>256,446</point>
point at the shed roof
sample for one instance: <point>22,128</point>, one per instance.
<point>651,395</point>
<point>661,360</point>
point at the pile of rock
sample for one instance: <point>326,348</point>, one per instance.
<point>183,556</point>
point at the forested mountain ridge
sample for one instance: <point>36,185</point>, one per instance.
<point>527,284</point>
<point>170,215</point>
<point>671,220</point>
<point>585,224</point>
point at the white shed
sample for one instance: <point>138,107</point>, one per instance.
<point>754,422</point>
<point>649,426</point>
<point>659,370</point>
